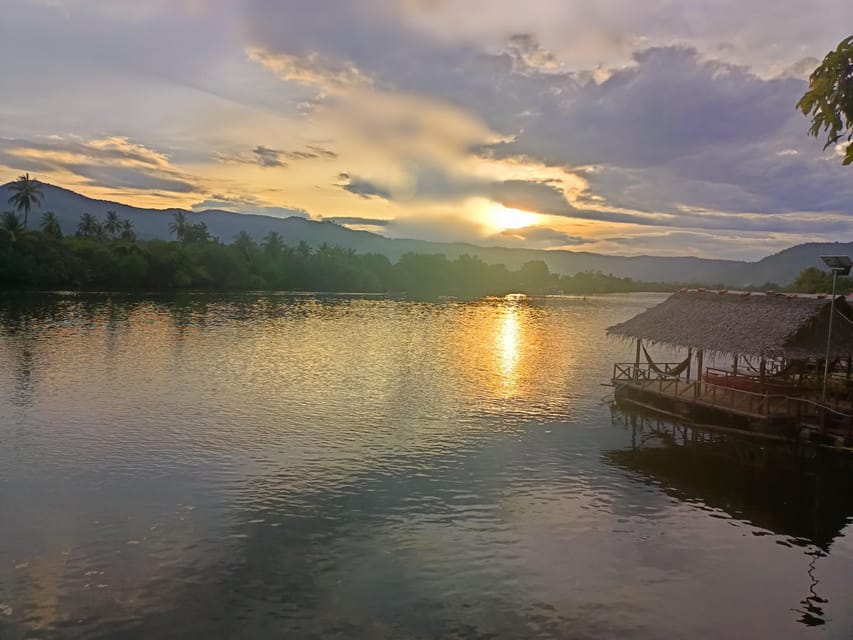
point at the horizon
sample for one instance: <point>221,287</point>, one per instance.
<point>665,131</point>
<point>473,243</point>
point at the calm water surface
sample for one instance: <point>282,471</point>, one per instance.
<point>275,466</point>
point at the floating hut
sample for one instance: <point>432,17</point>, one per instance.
<point>773,349</point>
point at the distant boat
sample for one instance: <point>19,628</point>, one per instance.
<point>516,297</point>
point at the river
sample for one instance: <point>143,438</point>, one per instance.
<point>252,466</point>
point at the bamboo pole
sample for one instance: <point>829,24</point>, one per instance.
<point>637,361</point>
<point>700,356</point>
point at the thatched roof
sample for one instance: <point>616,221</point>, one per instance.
<point>771,326</point>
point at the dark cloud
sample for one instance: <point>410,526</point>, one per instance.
<point>246,204</point>
<point>541,197</point>
<point>267,157</point>
<point>671,103</point>
<point>543,236</point>
<point>354,220</point>
<point>679,130</point>
<point>131,178</point>
<point>320,152</point>
<point>312,153</point>
<point>365,189</point>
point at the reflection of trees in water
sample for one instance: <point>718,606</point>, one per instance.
<point>790,490</point>
<point>20,343</point>
<point>305,561</point>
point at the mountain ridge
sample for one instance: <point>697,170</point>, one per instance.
<point>149,223</point>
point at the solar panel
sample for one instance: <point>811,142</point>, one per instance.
<point>839,264</point>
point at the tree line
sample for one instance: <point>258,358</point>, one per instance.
<point>105,254</point>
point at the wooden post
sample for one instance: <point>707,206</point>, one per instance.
<point>762,371</point>
<point>689,361</point>
<point>734,368</point>
<point>637,361</point>
<point>700,356</point>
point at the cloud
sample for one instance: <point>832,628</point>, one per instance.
<point>314,151</point>
<point>541,237</point>
<point>365,188</point>
<point>437,228</point>
<point>246,204</point>
<point>327,74</point>
<point>670,131</point>
<point>670,103</point>
<point>650,118</point>
<point>361,222</point>
<point>531,196</point>
<point>274,158</point>
<point>678,130</point>
<point>267,157</point>
<point>106,162</point>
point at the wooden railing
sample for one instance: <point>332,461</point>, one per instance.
<point>629,371</point>
<point>755,384</point>
<point>740,400</point>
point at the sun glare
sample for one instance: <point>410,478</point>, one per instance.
<point>505,218</point>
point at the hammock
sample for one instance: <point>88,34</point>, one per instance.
<point>793,366</point>
<point>749,365</point>
<point>675,372</point>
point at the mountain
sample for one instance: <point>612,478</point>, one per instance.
<point>781,268</point>
<point>784,266</point>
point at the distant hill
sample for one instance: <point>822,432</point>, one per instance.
<point>780,268</point>
<point>784,266</point>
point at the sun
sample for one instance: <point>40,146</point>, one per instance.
<point>504,218</point>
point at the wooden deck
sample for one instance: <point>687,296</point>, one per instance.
<point>750,410</point>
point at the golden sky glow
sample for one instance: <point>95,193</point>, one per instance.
<point>548,126</point>
<point>507,218</point>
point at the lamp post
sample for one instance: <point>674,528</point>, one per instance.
<point>840,265</point>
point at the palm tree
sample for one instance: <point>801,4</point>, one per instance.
<point>27,192</point>
<point>112,224</point>
<point>11,224</point>
<point>88,226</point>
<point>273,243</point>
<point>303,249</point>
<point>179,226</point>
<point>196,232</point>
<point>244,243</point>
<point>50,225</point>
<point>127,232</point>
<point>100,232</point>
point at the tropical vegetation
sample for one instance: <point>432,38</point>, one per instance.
<point>26,192</point>
<point>106,254</point>
<point>829,99</point>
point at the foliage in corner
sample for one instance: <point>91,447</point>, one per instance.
<point>829,100</point>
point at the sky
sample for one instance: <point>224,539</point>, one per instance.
<point>661,127</point>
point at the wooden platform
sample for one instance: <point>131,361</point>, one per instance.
<point>788,416</point>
